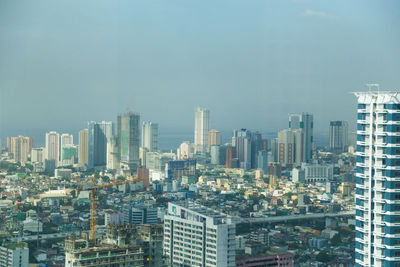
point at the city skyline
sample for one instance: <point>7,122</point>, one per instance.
<point>282,64</point>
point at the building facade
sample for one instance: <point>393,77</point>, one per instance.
<point>83,146</point>
<point>201,128</point>
<point>99,134</point>
<point>378,179</point>
<point>128,140</point>
<point>198,236</point>
<point>14,255</point>
<point>21,148</point>
<point>338,136</point>
<point>214,138</point>
<point>52,147</point>
<point>150,136</point>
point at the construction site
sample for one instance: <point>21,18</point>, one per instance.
<point>121,245</point>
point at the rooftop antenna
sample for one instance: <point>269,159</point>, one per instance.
<point>373,85</point>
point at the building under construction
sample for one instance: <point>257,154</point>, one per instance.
<point>126,245</point>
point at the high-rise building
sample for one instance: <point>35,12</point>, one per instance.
<point>66,140</point>
<point>211,241</point>
<point>378,179</point>
<point>230,154</point>
<point>291,147</point>
<point>99,134</point>
<point>69,155</point>
<point>256,146</point>
<point>201,128</point>
<point>52,148</point>
<point>83,146</point>
<point>304,122</point>
<point>215,152</point>
<point>14,255</point>
<point>243,148</point>
<point>274,150</point>
<point>295,121</point>
<point>185,150</point>
<point>338,136</point>
<point>308,127</point>
<point>262,161</point>
<point>21,148</point>
<point>286,147</point>
<point>150,136</point>
<point>214,138</point>
<point>127,139</point>
<point>37,154</point>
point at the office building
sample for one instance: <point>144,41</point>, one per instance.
<point>243,148</point>
<point>214,138</point>
<point>338,136</point>
<point>211,241</point>
<point>144,215</point>
<point>274,149</point>
<point>99,134</point>
<point>83,146</point>
<point>304,122</point>
<point>128,140</point>
<point>256,146</point>
<point>262,161</point>
<point>378,179</point>
<point>14,255</point>
<point>52,147</point>
<point>201,128</point>
<point>291,147</point>
<point>150,136</point>
<point>317,173</point>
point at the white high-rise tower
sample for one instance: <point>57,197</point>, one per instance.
<point>52,147</point>
<point>150,136</point>
<point>201,128</point>
<point>378,179</point>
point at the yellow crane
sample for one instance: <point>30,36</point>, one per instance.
<point>93,210</point>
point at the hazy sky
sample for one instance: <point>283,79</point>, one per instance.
<point>63,63</point>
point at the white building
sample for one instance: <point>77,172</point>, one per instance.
<point>150,136</point>
<point>37,154</point>
<point>314,173</point>
<point>378,179</point>
<point>14,255</point>
<point>52,147</point>
<point>201,128</point>
<point>198,236</point>
<point>185,150</point>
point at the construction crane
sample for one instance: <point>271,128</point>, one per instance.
<point>93,210</point>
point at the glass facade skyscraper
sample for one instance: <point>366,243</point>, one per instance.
<point>127,139</point>
<point>378,179</point>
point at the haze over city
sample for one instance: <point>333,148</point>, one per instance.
<point>250,62</point>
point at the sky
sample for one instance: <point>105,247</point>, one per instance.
<point>251,62</point>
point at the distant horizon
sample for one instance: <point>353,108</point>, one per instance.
<point>251,63</point>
